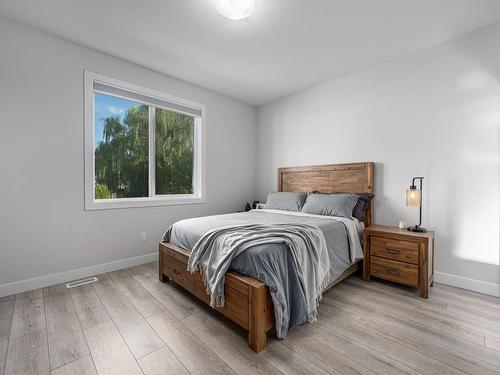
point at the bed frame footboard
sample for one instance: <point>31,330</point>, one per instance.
<point>247,300</point>
<point>257,310</point>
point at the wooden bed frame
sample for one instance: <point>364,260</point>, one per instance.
<point>247,300</point>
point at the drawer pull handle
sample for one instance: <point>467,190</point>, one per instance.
<point>392,251</point>
<point>392,270</point>
<point>176,272</point>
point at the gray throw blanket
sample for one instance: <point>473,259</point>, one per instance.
<point>214,252</point>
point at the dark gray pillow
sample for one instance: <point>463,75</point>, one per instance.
<point>330,204</point>
<point>288,201</point>
<point>359,211</point>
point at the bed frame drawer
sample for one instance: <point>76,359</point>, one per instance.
<point>177,271</point>
<point>403,273</point>
<point>404,251</point>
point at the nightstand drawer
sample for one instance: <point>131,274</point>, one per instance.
<point>404,251</point>
<point>403,273</point>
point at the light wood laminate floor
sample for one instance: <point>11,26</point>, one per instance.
<point>130,323</point>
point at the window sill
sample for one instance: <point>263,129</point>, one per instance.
<point>109,204</point>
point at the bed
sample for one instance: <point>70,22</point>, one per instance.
<point>248,301</point>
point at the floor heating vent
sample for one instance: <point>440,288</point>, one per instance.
<point>76,283</point>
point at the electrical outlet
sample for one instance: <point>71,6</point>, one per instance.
<point>142,236</point>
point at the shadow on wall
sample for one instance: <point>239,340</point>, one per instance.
<point>479,158</point>
<point>386,209</point>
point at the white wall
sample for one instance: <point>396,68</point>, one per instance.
<point>434,113</point>
<point>43,226</point>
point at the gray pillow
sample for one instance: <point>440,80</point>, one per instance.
<point>330,204</point>
<point>287,201</point>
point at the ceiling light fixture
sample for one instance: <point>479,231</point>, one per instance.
<point>235,9</point>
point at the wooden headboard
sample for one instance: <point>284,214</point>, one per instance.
<point>331,178</point>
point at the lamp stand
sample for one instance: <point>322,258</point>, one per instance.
<point>418,228</point>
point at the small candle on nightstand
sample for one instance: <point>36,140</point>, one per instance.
<point>402,224</point>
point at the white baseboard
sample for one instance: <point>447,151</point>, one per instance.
<point>469,284</point>
<point>63,277</point>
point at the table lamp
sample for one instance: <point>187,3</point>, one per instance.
<point>414,199</point>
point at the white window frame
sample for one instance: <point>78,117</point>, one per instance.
<point>198,195</point>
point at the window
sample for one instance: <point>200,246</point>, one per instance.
<point>142,148</point>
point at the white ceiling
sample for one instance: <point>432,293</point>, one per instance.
<point>283,47</point>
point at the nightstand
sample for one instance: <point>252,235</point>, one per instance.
<point>400,256</point>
